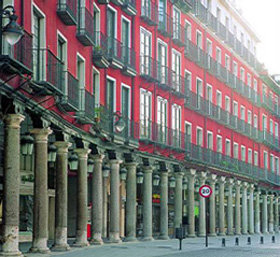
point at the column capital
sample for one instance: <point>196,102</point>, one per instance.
<point>82,152</point>
<point>179,174</point>
<point>97,158</point>
<point>41,134</point>
<point>191,172</point>
<point>202,176</point>
<point>251,187</point>
<point>230,181</point>
<point>212,178</point>
<point>148,169</point>
<point>131,164</point>
<point>245,185</point>
<point>238,183</point>
<point>115,161</point>
<point>221,180</point>
<point>13,120</point>
<point>62,146</point>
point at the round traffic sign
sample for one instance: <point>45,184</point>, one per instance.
<point>205,191</point>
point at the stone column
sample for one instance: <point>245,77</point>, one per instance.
<point>230,231</point>
<point>114,232</point>
<point>271,215</point>
<point>11,185</point>
<point>130,215</point>
<point>178,206</point>
<point>191,220</point>
<point>264,214</point>
<point>82,198</point>
<point>257,213</point>
<point>147,204</point>
<point>164,205</point>
<point>244,209</point>
<point>41,199</point>
<point>212,205</point>
<point>61,197</point>
<point>237,208</point>
<point>276,214</point>
<point>96,211</point>
<point>105,207</point>
<point>251,210</point>
<point>202,224</point>
<point>222,206</point>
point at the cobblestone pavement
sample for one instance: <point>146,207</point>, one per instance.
<point>191,248</point>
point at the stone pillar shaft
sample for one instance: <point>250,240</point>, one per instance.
<point>191,220</point>
<point>271,215</point>
<point>61,196</point>
<point>257,213</point>
<point>164,205</point>
<point>105,207</point>
<point>237,209</point>
<point>230,209</point>
<point>147,204</point>
<point>276,214</point>
<point>114,232</point>
<point>251,210</point>
<point>11,185</point>
<point>222,206</point>
<point>41,200</point>
<point>264,214</point>
<point>244,210</point>
<point>130,216</point>
<point>96,214</point>
<point>82,198</point>
<point>178,206</point>
<point>212,207</point>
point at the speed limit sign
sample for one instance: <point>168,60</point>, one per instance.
<point>205,191</point>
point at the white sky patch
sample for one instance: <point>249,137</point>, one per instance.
<point>264,17</point>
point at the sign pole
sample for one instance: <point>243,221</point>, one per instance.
<point>206,221</point>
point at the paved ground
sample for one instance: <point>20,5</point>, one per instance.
<point>191,248</point>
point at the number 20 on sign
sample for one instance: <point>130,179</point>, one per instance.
<point>205,191</point>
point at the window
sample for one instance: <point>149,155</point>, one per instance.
<point>81,79</point>
<point>272,163</point>
<point>277,165</point>
<point>219,99</point>
<point>176,124</point>
<point>209,98</point>
<point>271,126</point>
<point>162,62</point>
<point>209,140</point>
<point>176,23</point>
<point>249,117</point>
<point>162,119</point>
<point>125,103</point>
<point>255,85</point>
<point>38,43</point>
<point>62,57</point>
<point>249,80</point>
<point>256,158</point>
<point>209,47</point>
<point>276,130</point>
<point>218,14</point>
<point>228,152</point>
<point>188,30</point>
<point>145,52</point>
<point>145,113</point>
<point>227,104</point>
<point>235,151</point>
<point>250,156</point>
<point>96,23</point>
<point>188,84</point>
<point>235,108</point>
<point>176,70</point>
<point>188,131</point>
<point>235,68</point>
<point>218,55</point>
<point>219,144</point>
<point>126,39</point>
<point>111,28</point>
<point>227,62</point>
<point>162,13</point>
<point>146,8</point>
<point>199,140</point>
<point>265,160</point>
<point>242,113</point>
<point>110,95</point>
<point>255,121</point>
<point>199,92</point>
<point>96,86</point>
<point>199,39</point>
<point>243,153</point>
<point>264,123</point>
<point>242,74</point>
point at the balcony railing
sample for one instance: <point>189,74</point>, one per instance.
<point>48,71</point>
<point>89,105</point>
<point>178,34</point>
<point>148,68</point>
<point>164,24</point>
<point>100,50</point>
<point>183,5</point>
<point>67,11</point>
<point>85,31</point>
<point>114,51</point>
<point>128,56</point>
<point>149,12</point>
<point>269,139</point>
<point>129,6</point>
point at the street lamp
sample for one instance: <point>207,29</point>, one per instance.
<point>73,161</point>
<point>123,174</point>
<point>11,32</point>
<point>51,153</point>
<point>119,124</point>
<point>172,182</point>
<point>90,165</point>
<point>140,177</point>
<point>27,144</point>
<point>106,171</point>
<point>185,184</point>
<point>156,180</point>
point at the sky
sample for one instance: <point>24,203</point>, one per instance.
<point>264,17</point>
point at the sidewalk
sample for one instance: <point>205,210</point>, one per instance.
<point>169,248</point>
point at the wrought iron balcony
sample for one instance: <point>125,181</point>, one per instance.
<point>85,30</point>
<point>128,55</point>
<point>103,1</point>
<point>115,53</point>
<point>267,102</point>
<point>129,6</point>
<point>67,11</point>
<point>118,2</point>
<point>86,113</point>
<point>70,100</point>
<point>191,51</point>
<point>164,24</point>
<point>270,140</point>
<point>178,34</point>
<point>49,72</point>
<point>183,5</point>
<point>149,12</point>
<point>222,73</point>
<point>100,52</point>
<point>211,64</point>
<point>148,68</point>
<point>222,31</point>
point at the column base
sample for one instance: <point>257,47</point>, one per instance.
<point>96,241</point>
<point>201,235</point>
<point>163,237</point>
<point>191,235</point>
<point>114,238</point>
<point>148,238</point>
<point>237,233</point>
<point>45,250</point>
<point>212,234</point>
<point>61,248</point>
<point>222,234</point>
<point>80,244</point>
<point>265,233</point>
<point>130,239</point>
<point>230,234</point>
<point>244,233</point>
<point>16,253</point>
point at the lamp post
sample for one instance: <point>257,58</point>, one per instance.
<point>119,124</point>
<point>26,142</point>
<point>52,153</point>
<point>11,32</point>
<point>140,177</point>
<point>90,165</point>
<point>73,161</point>
<point>172,182</point>
<point>156,180</point>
